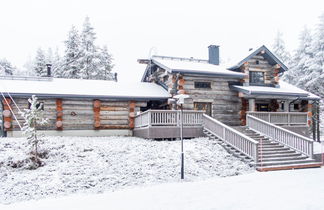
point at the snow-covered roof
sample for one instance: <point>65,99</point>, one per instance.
<point>284,89</point>
<point>194,66</point>
<point>78,88</point>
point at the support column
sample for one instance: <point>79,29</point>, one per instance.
<point>251,104</point>
<point>286,106</point>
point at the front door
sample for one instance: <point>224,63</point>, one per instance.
<point>262,107</point>
<point>204,107</point>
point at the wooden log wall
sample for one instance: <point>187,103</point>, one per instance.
<point>258,63</point>
<point>59,114</point>
<point>7,116</point>
<point>73,114</point>
<point>225,103</point>
<point>49,112</point>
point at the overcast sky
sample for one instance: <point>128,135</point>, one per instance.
<point>174,28</point>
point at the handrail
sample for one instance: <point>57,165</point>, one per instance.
<point>282,135</point>
<point>282,118</point>
<point>168,118</point>
<point>237,140</point>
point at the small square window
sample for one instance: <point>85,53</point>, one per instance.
<point>206,85</point>
<point>256,77</point>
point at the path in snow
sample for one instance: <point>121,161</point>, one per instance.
<point>99,164</point>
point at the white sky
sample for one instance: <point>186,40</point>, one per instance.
<point>131,28</point>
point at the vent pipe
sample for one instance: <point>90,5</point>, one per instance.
<point>49,69</point>
<point>213,54</point>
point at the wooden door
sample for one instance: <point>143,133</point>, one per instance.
<point>204,107</point>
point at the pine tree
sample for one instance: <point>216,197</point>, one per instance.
<point>301,61</point>
<point>316,82</point>
<point>105,65</point>
<point>89,59</point>
<point>34,117</point>
<point>6,68</point>
<point>279,48</point>
<point>57,65</point>
<point>39,65</point>
<point>71,64</point>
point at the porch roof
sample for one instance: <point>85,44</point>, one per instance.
<point>284,90</point>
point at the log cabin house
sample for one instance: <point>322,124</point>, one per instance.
<point>226,93</point>
<point>244,107</point>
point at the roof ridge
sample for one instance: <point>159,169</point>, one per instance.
<point>180,59</point>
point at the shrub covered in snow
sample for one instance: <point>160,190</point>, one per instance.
<point>98,164</point>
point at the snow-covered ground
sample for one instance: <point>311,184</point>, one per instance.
<point>104,164</point>
<point>289,190</point>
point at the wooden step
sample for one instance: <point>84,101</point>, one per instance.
<point>288,167</point>
<point>281,155</point>
<point>284,162</point>
<point>269,159</point>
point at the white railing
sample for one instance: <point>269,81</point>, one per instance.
<point>282,118</point>
<point>168,118</point>
<point>284,136</point>
<point>239,141</point>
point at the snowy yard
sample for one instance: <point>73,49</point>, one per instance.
<point>289,190</point>
<point>105,164</point>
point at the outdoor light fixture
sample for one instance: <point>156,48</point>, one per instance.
<point>180,101</point>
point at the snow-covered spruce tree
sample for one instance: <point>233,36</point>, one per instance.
<point>316,66</point>
<point>57,65</point>
<point>34,117</point>
<point>105,65</point>
<point>70,67</point>
<point>6,68</point>
<point>298,73</point>
<point>39,65</point>
<point>89,59</point>
<point>279,48</point>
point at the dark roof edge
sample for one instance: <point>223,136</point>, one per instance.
<point>42,95</point>
<point>208,73</point>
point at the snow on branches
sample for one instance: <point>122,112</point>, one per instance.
<point>34,117</point>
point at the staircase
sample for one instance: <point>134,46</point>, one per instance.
<point>274,156</point>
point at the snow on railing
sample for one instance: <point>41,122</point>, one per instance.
<point>284,136</point>
<point>282,118</point>
<point>168,118</point>
<point>237,140</point>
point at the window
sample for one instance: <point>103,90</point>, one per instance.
<point>257,62</point>
<point>206,85</point>
<point>296,106</point>
<point>204,107</point>
<point>256,77</point>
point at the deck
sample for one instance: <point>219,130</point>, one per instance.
<point>165,124</point>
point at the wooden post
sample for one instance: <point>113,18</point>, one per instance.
<point>96,111</point>
<point>251,104</point>
<point>131,116</point>
<point>59,114</point>
<point>7,114</point>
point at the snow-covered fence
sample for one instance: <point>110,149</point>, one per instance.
<point>282,118</point>
<point>284,136</point>
<point>237,140</point>
<point>168,118</point>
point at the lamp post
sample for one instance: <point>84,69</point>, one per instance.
<point>180,101</point>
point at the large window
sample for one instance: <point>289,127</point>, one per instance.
<point>256,77</point>
<point>204,107</point>
<point>206,85</point>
